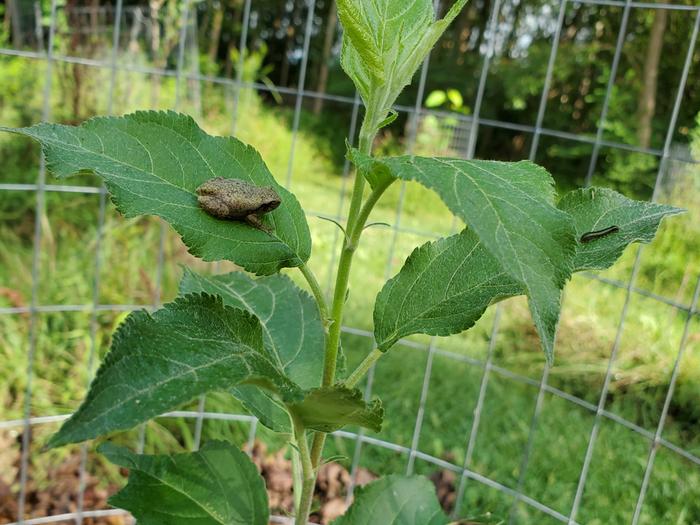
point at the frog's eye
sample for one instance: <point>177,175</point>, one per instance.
<point>269,206</point>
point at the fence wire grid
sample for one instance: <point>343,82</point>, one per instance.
<point>188,81</point>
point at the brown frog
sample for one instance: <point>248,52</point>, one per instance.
<point>238,200</point>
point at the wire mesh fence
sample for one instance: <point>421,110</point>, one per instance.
<point>479,361</point>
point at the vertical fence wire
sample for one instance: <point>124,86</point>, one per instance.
<point>237,87</point>
<point>311,7</point>
<point>533,152</point>
<point>476,414</point>
<point>97,263</point>
<point>608,92</point>
<point>487,368</point>
<point>36,275</point>
<point>654,446</point>
<point>539,401</point>
<point>486,374</point>
<point>418,425</point>
<point>599,134</point>
<point>481,90</point>
<point>432,347</point>
<point>242,50</point>
<point>635,269</point>
<point>160,265</point>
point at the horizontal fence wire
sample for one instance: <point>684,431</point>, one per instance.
<point>474,121</point>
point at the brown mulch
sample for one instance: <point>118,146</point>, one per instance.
<point>331,485</point>
<point>60,496</point>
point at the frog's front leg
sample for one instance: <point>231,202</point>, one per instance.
<point>255,222</point>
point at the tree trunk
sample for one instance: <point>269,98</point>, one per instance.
<point>216,24</point>
<point>483,25</point>
<point>288,45</point>
<point>6,20</point>
<point>16,15</point>
<point>228,63</point>
<point>512,38</point>
<point>154,7</point>
<point>322,85</point>
<point>94,19</point>
<point>647,99</point>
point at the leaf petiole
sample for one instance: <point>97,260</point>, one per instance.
<point>363,367</point>
<point>317,292</point>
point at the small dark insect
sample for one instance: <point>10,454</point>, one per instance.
<point>592,236</point>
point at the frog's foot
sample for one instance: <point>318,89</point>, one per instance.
<point>255,222</point>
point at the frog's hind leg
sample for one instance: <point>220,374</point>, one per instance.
<point>255,222</point>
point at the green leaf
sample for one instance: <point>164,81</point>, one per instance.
<point>393,115</point>
<point>329,408</point>
<point>436,99</point>
<point>443,288</point>
<point>292,328</point>
<point>510,207</point>
<point>158,361</point>
<point>594,209</point>
<point>271,411</point>
<point>292,331</point>
<point>377,173</point>
<point>152,163</point>
<point>455,98</point>
<point>217,485</point>
<point>399,500</point>
<point>384,43</point>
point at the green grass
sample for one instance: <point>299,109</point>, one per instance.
<point>128,275</point>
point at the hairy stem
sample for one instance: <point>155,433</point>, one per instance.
<point>308,474</point>
<point>363,367</point>
<point>357,218</point>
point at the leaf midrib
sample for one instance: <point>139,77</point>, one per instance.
<point>186,495</point>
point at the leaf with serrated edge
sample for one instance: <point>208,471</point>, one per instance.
<point>152,163</point>
<point>291,323</point>
<point>443,288</point>
<point>384,43</point>
<point>445,285</point>
<point>594,209</point>
<point>510,207</point>
<point>329,408</point>
<point>292,331</point>
<point>217,485</point>
<point>400,500</point>
<point>158,361</point>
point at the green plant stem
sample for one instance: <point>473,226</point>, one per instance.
<point>308,474</point>
<point>317,443</point>
<point>316,291</point>
<point>363,367</point>
<point>357,218</point>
